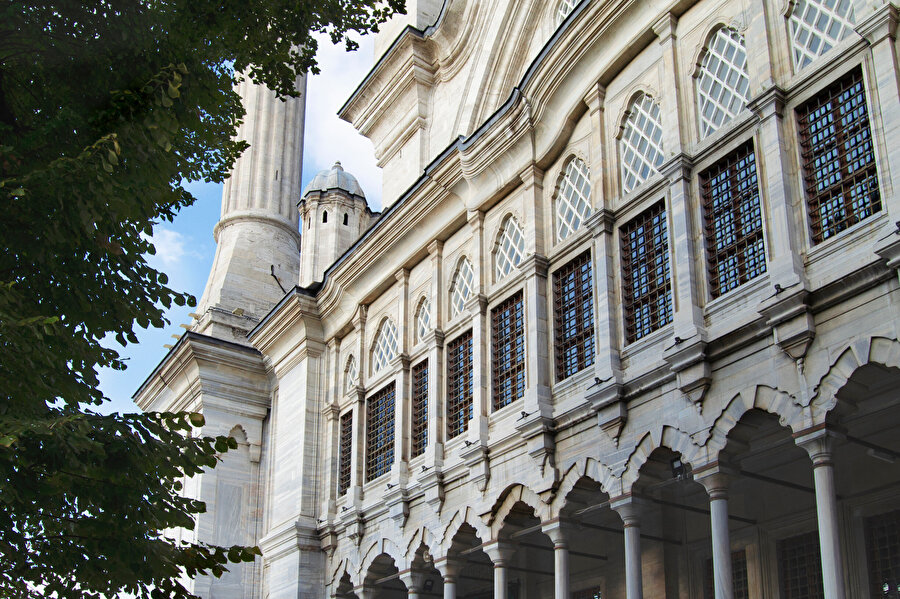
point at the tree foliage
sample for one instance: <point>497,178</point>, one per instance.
<point>105,109</point>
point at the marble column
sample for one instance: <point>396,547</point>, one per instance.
<point>819,445</point>
<point>558,531</point>
<point>500,554</point>
<point>628,510</point>
<point>716,485</point>
<point>449,569</point>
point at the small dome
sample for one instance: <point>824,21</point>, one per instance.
<point>334,178</point>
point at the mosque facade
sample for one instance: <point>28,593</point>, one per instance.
<point>626,325</point>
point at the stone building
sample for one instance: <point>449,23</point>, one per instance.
<point>626,326</point>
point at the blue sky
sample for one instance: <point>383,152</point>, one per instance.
<point>185,247</point>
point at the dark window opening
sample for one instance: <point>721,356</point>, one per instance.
<point>325,216</point>
<point>573,305</point>
<point>645,273</point>
<point>459,384</point>
<point>883,553</point>
<point>346,219</point>
<point>419,432</point>
<point>380,433</point>
<point>838,157</point>
<point>508,351</point>
<point>346,447</point>
<point>739,580</point>
<point>800,567</point>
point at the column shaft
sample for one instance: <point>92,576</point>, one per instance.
<point>561,571</point>
<point>721,547</point>
<point>500,584</point>
<point>449,587</point>
<point>829,543</point>
<point>634,588</point>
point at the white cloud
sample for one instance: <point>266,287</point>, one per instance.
<point>327,137</point>
<point>171,248</point>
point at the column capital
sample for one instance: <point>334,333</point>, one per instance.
<point>436,248</point>
<point>500,552</point>
<point>449,567</point>
<point>413,580</point>
<point>628,508</point>
<point>664,28</point>
<point>715,478</point>
<point>559,530</point>
<point>818,442</point>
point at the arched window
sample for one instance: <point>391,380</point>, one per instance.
<point>641,144</point>
<point>461,289</point>
<point>573,201</point>
<point>351,374</point>
<point>325,216</point>
<point>816,26</point>
<point>563,9</point>
<point>722,82</point>
<point>423,318</point>
<point>510,248</point>
<point>386,346</point>
<point>346,219</point>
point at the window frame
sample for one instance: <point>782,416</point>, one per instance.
<point>585,331</point>
<point>516,368</point>
<point>345,453</point>
<point>383,428</point>
<point>456,375</point>
<point>418,422</point>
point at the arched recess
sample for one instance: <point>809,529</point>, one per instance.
<point>774,401</point>
<point>382,577</point>
<point>463,554</point>
<point>340,582</point>
<point>460,519</point>
<point>722,80</point>
<point>509,247</point>
<point>462,286</point>
<point>386,345</point>
<point>667,437</point>
<point>508,498</point>
<point>584,468</point>
<point>380,546</point>
<point>868,351</point>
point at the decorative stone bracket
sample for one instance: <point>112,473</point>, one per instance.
<point>476,458</point>
<point>789,315</point>
<point>432,482</point>
<point>693,372</point>
<point>538,433</point>
<point>889,250</point>
<point>612,413</point>
<point>397,501</point>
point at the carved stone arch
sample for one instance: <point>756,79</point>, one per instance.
<point>460,518</point>
<point>668,437</point>
<point>869,350</point>
<point>634,92</point>
<point>586,467</point>
<point>420,537</point>
<point>714,24</point>
<point>508,218</point>
<point>570,155</point>
<point>238,433</point>
<point>376,339</point>
<point>762,397</point>
<point>380,546</point>
<point>351,373</point>
<point>507,499</point>
<point>343,566</point>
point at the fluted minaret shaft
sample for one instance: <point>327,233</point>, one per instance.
<point>258,241</point>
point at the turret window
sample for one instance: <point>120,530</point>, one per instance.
<point>346,219</point>
<point>325,216</point>
<point>816,26</point>
<point>641,143</point>
<point>573,201</point>
<point>386,345</point>
<point>510,248</point>
<point>722,84</point>
<point>461,290</point>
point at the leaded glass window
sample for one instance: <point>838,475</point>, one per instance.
<point>733,218</point>
<point>386,345</point>
<point>838,157</point>
<point>463,284</point>
<point>723,84</point>
<point>380,433</point>
<point>816,26</point>
<point>641,144</point>
<point>800,567</point>
<point>510,249</point>
<point>352,374</point>
<point>645,273</point>
<point>563,9</point>
<point>573,306</point>
<point>573,202</point>
<point>508,351</point>
<point>344,452</point>
<point>459,384</point>
<point>423,319</point>
<point>419,428</point>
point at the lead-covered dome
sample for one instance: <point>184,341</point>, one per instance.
<point>334,178</point>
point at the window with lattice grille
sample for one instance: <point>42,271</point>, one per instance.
<point>380,433</point>
<point>816,26</point>
<point>573,306</point>
<point>722,83</point>
<point>459,384</point>
<point>461,289</point>
<point>352,374</point>
<point>419,432</point>
<point>386,345</point>
<point>740,582</point>
<point>563,9</point>
<point>423,319</point>
<point>883,553</point>
<point>647,301</point>
<point>345,450</point>
<point>733,221</point>
<point>508,351</point>
<point>573,201</point>
<point>510,249</point>
<point>838,157</point>
<point>800,567</point>
<point>641,145</point>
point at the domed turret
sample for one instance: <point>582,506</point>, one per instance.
<point>333,215</point>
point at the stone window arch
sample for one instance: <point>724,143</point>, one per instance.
<point>816,26</point>
<point>509,249</point>
<point>573,197</point>
<point>640,143</point>
<point>386,345</point>
<point>423,318</point>
<point>462,286</point>
<point>723,85</point>
<point>351,374</point>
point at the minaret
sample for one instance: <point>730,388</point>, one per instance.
<point>258,242</point>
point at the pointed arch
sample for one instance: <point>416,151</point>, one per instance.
<point>668,437</point>
<point>508,498</point>
<point>386,345</point>
<point>351,374</point>
<point>722,81</point>
<point>861,352</point>
<point>462,286</point>
<point>640,141</point>
<point>423,317</point>
<point>572,204</point>
<point>381,545</point>
<point>509,247</point>
<point>464,517</point>
<point>585,467</point>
